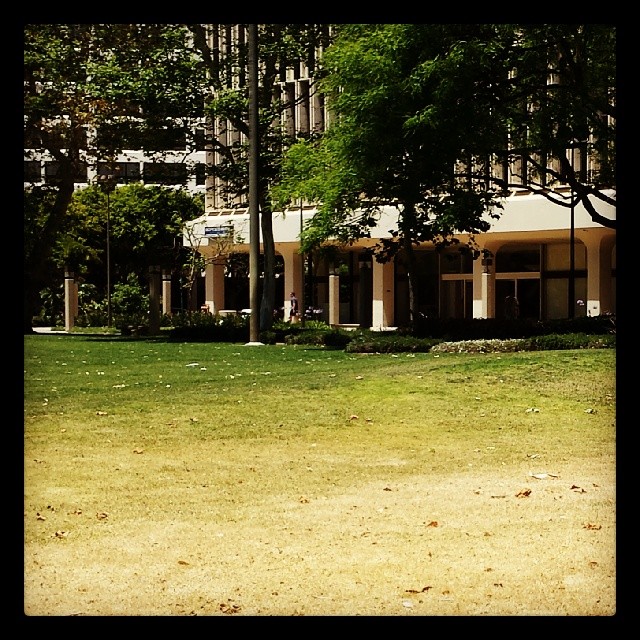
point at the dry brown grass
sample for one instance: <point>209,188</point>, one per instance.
<point>374,511</point>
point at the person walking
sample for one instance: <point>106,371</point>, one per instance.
<point>293,309</point>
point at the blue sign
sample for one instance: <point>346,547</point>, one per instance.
<point>217,232</point>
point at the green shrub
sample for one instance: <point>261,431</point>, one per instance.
<point>556,341</point>
<point>456,329</point>
<point>372,342</point>
<point>481,346</point>
<point>201,326</point>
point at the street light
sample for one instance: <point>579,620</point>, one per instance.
<point>302,306</point>
<point>107,182</point>
<point>572,242</point>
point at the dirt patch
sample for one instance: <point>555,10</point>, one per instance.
<point>466,544</point>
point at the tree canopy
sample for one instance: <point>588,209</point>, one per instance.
<point>281,48</point>
<point>90,91</point>
<point>429,113</point>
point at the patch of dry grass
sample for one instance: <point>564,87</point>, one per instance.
<point>176,480</point>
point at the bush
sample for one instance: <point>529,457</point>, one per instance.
<point>201,326</point>
<point>372,342</point>
<point>571,341</point>
<point>503,329</point>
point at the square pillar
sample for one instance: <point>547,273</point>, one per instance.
<point>214,286</point>
<point>154,300</point>
<point>293,276</point>
<point>334,299</point>
<point>166,293</point>
<point>599,283</point>
<point>383,295</point>
<point>70,301</point>
<point>484,283</point>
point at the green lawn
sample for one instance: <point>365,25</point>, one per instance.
<point>273,446</point>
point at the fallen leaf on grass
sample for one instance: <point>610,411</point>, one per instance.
<point>138,451</point>
<point>183,562</point>
<point>102,515</point>
<point>423,590</point>
<point>577,489</point>
<point>303,499</point>
<point>40,517</point>
<point>101,413</point>
<point>60,534</point>
<point>593,527</point>
<point>523,493</point>
<point>433,523</point>
<point>229,608</point>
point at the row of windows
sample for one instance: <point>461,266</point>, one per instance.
<point>129,138</point>
<point>165,173</point>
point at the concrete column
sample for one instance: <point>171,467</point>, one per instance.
<point>75,299</point>
<point>599,259</point>
<point>166,292</point>
<point>383,295</point>
<point>365,294</point>
<point>484,285</point>
<point>154,300</point>
<point>484,282</point>
<point>70,301</point>
<point>293,274</point>
<point>334,299</point>
<point>214,286</point>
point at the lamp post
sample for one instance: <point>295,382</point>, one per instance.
<point>301,305</point>
<point>108,183</point>
<point>254,212</point>
<point>572,244</point>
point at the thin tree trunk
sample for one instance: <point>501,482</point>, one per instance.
<point>267,304</point>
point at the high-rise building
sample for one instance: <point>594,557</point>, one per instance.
<point>554,262</point>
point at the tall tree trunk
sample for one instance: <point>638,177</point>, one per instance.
<point>36,267</point>
<point>267,304</point>
<point>406,225</point>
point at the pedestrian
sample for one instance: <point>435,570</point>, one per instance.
<point>293,309</point>
<point>511,307</point>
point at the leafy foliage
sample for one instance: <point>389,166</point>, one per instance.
<point>127,84</point>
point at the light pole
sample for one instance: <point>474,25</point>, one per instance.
<point>254,211</point>
<point>301,305</point>
<point>572,243</point>
<point>108,184</point>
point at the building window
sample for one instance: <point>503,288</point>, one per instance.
<point>201,173</point>
<point>32,140</point>
<point>32,171</point>
<point>200,140</point>
<point>456,262</point>
<point>125,172</point>
<point>304,108</point>
<point>166,173</point>
<point>518,260</point>
<point>51,173</point>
